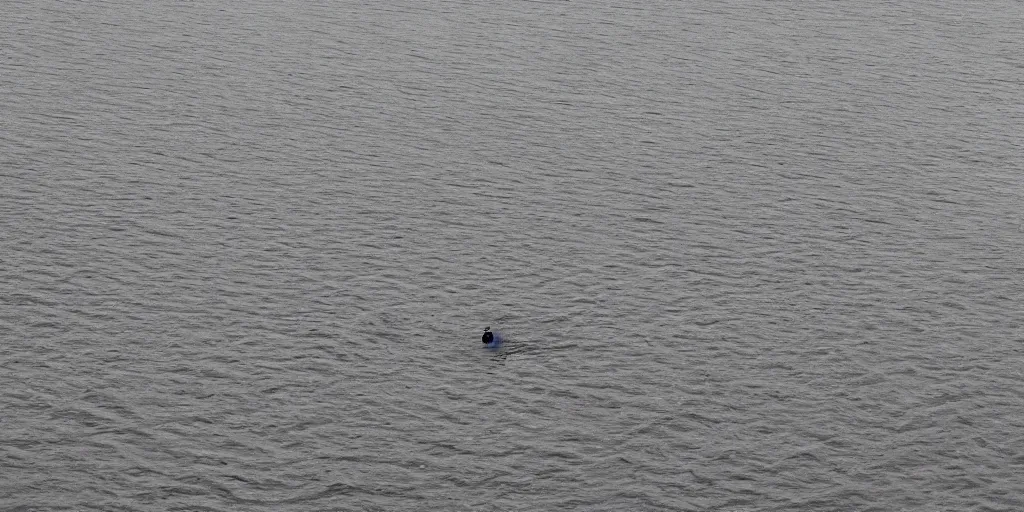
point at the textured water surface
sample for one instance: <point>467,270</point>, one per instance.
<point>746,255</point>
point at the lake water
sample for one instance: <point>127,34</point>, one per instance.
<point>746,255</point>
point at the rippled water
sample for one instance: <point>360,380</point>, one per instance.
<point>746,255</point>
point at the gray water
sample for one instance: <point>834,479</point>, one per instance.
<point>747,255</point>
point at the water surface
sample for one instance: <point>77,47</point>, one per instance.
<point>746,256</point>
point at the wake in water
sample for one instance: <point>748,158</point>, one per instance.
<point>492,339</point>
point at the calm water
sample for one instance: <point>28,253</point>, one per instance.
<point>747,255</point>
